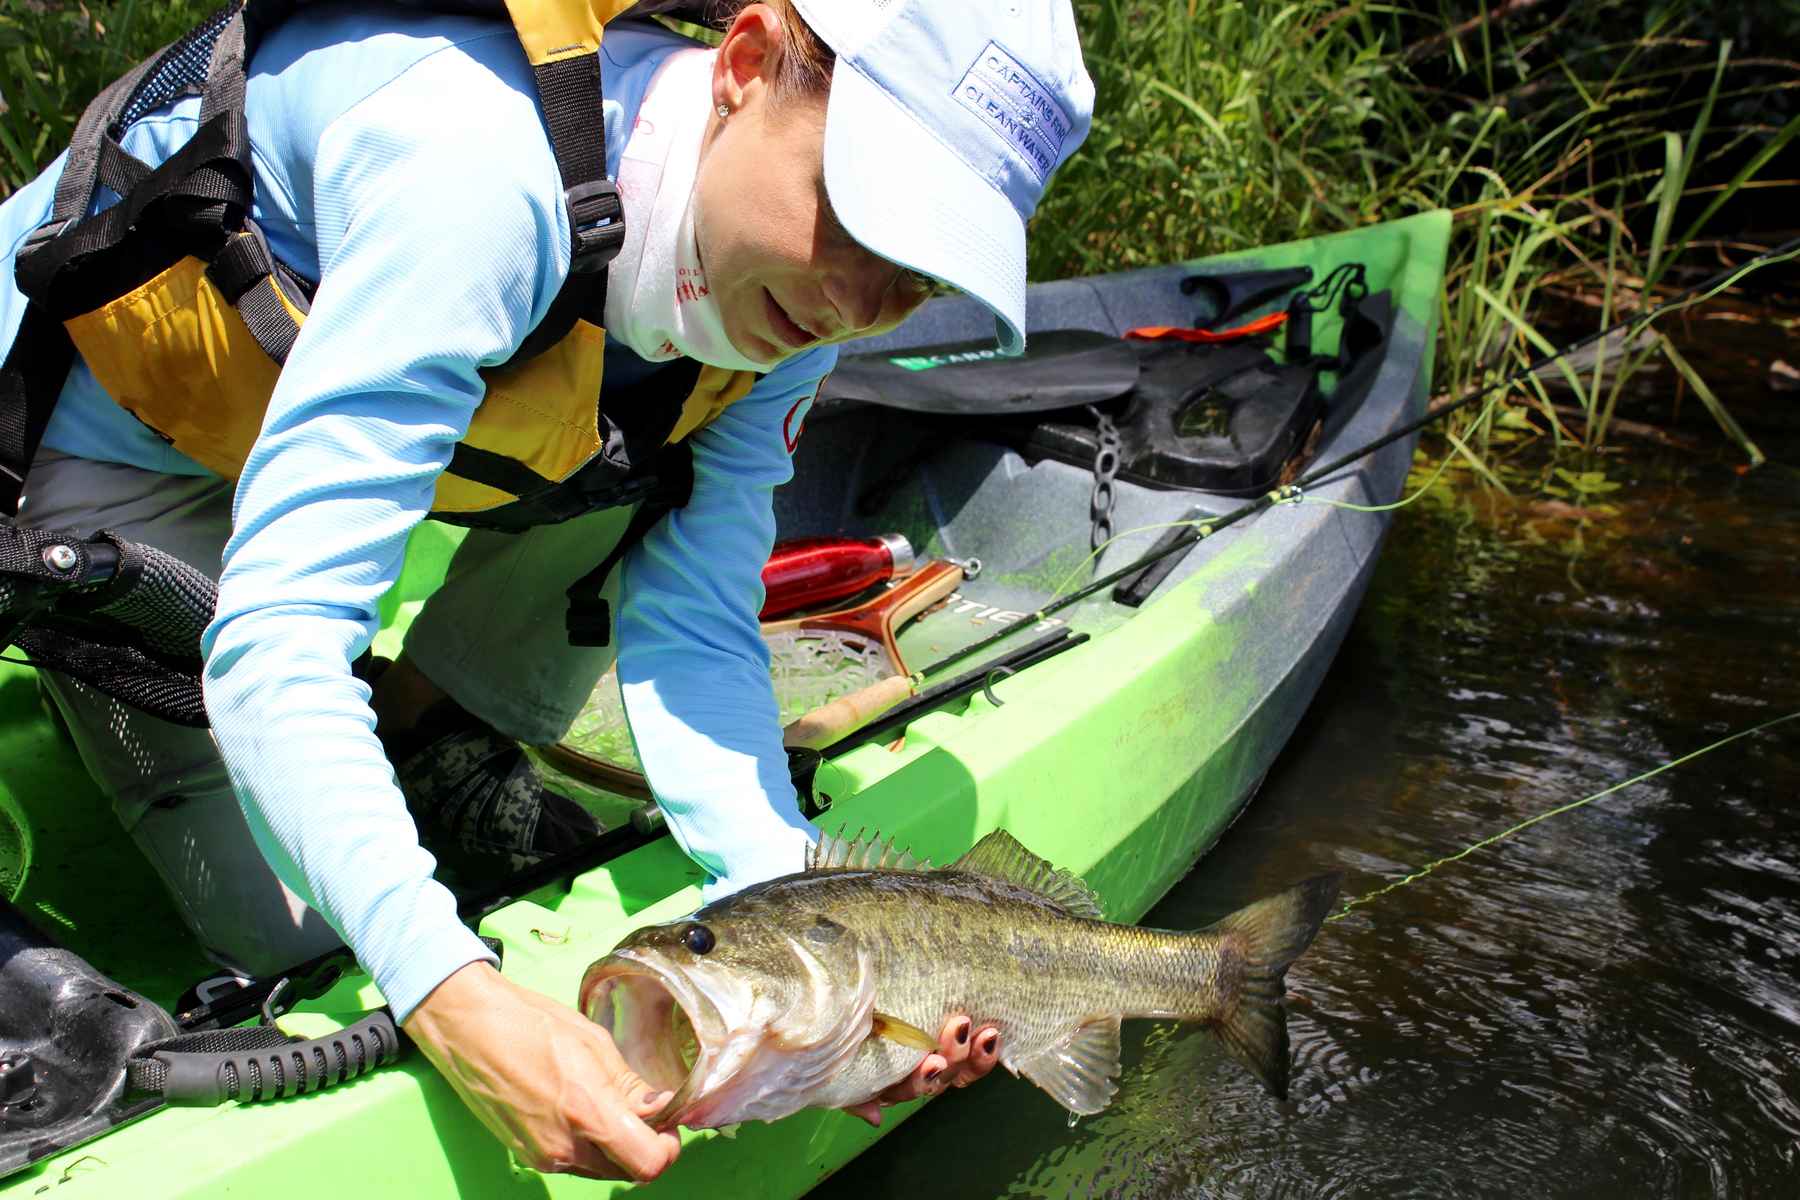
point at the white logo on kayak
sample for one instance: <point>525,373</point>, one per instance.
<point>986,614</point>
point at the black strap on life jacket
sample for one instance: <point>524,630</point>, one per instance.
<point>589,616</point>
<point>638,466</point>
<point>198,203</point>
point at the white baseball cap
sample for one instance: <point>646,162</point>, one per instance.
<point>945,122</point>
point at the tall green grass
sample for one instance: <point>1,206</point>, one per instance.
<point>56,56</point>
<point>1587,150</point>
<point>1572,156</point>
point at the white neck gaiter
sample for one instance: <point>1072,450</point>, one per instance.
<point>658,301</point>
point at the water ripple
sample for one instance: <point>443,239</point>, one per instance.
<point>1607,1004</point>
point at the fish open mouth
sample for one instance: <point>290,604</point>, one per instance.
<point>654,1021</point>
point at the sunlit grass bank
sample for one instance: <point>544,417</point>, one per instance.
<point>1589,151</point>
<point>1587,154</point>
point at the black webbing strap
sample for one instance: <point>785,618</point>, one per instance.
<point>118,170</point>
<point>497,471</point>
<point>81,168</point>
<point>569,92</point>
<point>31,379</point>
<point>248,277</point>
<point>204,168</point>
<point>226,72</point>
<point>268,319</point>
<point>589,617</point>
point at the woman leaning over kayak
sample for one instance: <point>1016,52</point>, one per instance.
<point>800,185</point>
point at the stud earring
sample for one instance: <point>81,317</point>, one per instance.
<point>724,111</point>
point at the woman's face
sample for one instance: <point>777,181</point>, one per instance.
<point>786,275</point>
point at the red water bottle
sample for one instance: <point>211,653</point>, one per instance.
<point>807,572</point>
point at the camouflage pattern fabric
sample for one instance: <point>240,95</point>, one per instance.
<point>482,809</point>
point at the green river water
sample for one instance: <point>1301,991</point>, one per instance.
<point>1607,1004</point>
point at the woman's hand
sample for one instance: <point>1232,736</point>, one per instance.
<point>548,1082</point>
<point>963,1056</point>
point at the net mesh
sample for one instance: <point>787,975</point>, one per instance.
<point>809,668</point>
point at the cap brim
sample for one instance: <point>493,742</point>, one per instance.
<point>908,197</point>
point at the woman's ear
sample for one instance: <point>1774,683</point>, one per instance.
<point>748,57</point>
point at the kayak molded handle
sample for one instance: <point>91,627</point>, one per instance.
<point>250,1065</point>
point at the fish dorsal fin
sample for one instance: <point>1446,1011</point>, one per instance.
<point>1078,1071</point>
<point>864,852</point>
<point>1001,855</point>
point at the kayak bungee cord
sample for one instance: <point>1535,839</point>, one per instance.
<point>1494,839</point>
<point>1293,493</point>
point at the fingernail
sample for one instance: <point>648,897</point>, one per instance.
<point>651,1097</point>
<point>989,1042</point>
<point>931,1075</point>
<point>962,1031</point>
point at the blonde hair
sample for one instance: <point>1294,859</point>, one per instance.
<point>806,62</point>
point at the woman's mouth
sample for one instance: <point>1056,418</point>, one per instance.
<point>787,331</point>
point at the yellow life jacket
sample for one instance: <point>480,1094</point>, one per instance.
<point>185,318</point>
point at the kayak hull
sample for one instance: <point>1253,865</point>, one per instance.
<point>1123,759</point>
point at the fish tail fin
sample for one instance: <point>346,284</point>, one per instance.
<point>1268,936</point>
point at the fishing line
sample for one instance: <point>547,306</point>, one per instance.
<point>1429,867</point>
<point>1436,475</point>
<point>1292,492</point>
<point>1739,273</point>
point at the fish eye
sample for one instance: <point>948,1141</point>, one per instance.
<point>699,939</point>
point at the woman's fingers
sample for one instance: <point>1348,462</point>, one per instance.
<point>954,1040</point>
<point>984,1052</point>
<point>549,1083</point>
<point>965,1054</point>
<point>615,1144</point>
<point>612,1123</point>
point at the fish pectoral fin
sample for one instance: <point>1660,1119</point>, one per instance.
<point>896,1030</point>
<point>1078,1071</point>
<point>1003,856</point>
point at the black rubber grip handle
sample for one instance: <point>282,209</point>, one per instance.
<point>205,1079</point>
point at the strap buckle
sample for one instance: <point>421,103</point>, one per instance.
<point>596,225</point>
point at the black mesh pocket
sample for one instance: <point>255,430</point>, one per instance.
<point>124,619</point>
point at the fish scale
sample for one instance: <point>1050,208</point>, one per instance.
<point>966,944</point>
<point>826,987</point>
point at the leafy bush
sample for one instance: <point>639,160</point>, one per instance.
<point>55,57</point>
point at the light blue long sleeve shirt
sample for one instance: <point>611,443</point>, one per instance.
<point>401,162</point>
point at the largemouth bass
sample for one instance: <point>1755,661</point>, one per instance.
<point>817,989</point>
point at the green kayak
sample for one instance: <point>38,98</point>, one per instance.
<point>1121,748</point>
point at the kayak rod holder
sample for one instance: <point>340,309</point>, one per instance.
<point>995,676</point>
